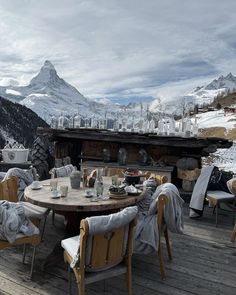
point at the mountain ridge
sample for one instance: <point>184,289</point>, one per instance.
<point>47,94</point>
<point>21,126</point>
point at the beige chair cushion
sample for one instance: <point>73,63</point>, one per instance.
<point>220,195</point>
<point>71,245</point>
<point>34,211</point>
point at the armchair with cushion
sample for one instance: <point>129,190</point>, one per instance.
<point>17,229</point>
<point>103,249</point>
<point>8,191</point>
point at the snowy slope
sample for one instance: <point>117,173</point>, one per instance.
<point>224,158</point>
<point>216,119</point>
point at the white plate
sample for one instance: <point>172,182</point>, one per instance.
<point>138,192</point>
<point>36,188</point>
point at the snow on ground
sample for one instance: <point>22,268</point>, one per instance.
<point>226,158</point>
<point>216,119</point>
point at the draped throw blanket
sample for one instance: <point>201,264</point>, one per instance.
<point>13,222</point>
<point>63,171</point>
<point>146,236</point>
<point>25,178</point>
<point>199,192</point>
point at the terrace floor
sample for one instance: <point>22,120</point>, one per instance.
<point>203,263</point>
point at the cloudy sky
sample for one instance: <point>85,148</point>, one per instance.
<point>124,50</point>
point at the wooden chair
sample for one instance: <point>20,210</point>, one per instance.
<point>62,171</point>
<point>107,258</point>
<point>200,193</point>
<point>162,228</point>
<point>8,191</point>
<point>217,197</point>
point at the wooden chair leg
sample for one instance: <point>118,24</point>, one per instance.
<point>81,288</point>
<point>233,235</point>
<point>32,262</point>
<point>24,253</point>
<point>69,280</point>
<point>234,211</point>
<point>161,261</point>
<point>44,225</point>
<point>53,217</point>
<point>216,214</point>
<point>129,275</point>
<point>166,234</point>
<point>213,211</point>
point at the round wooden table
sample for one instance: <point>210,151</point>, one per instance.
<point>76,200</point>
<point>74,207</point>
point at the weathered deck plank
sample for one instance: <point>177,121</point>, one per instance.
<point>203,263</point>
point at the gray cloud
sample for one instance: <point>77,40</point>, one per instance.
<point>119,49</point>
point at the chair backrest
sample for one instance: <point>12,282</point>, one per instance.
<point>8,189</point>
<point>162,201</point>
<point>107,249</point>
<point>161,179</point>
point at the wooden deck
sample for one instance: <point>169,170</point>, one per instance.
<point>203,263</point>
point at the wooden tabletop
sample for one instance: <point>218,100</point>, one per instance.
<point>76,200</point>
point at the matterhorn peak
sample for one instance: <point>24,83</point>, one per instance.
<point>47,75</point>
<point>48,65</point>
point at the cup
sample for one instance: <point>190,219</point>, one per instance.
<point>53,184</point>
<point>88,193</point>
<point>64,191</point>
<point>35,184</point>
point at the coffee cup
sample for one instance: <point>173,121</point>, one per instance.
<point>88,193</point>
<point>35,184</point>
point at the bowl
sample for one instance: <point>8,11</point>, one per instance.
<point>132,176</point>
<point>132,180</point>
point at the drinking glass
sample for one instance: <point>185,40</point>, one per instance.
<point>53,184</point>
<point>64,191</point>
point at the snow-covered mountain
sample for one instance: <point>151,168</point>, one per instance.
<point>227,82</point>
<point>200,95</point>
<point>47,94</point>
<point>207,93</point>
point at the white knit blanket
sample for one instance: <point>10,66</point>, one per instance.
<point>63,171</point>
<point>25,178</point>
<point>198,196</point>
<point>146,232</point>
<point>13,222</point>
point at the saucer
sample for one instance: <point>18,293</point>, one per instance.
<point>89,196</point>
<point>36,188</point>
<point>57,196</point>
